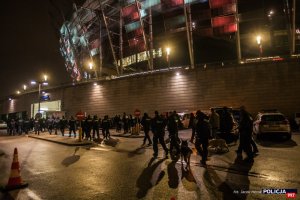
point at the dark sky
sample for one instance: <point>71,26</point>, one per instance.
<point>29,44</point>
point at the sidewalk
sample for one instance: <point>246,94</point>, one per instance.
<point>71,141</point>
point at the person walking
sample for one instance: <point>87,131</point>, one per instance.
<point>20,124</point>
<point>173,132</point>
<point>214,121</point>
<point>245,129</point>
<point>37,126</point>
<point>226,124</point>
<point>62,125</point>
<point>105,127</point>
<point>50,123</point>
<point>192,126</point>
<point>96,127</point>
<point>88,126</point>
<point>125,123</point>
<point>26,125</point>
<point>158,129</point>
<point>56,125</point>
<point>146,123</point>
<point>84,129</point>
<point>72,126</point>
<point>202,135</point>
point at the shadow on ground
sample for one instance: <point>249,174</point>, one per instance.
<point>71,159</point>
<point>144,182</point>
<point>276,142</point>
<point>111,142</point>
<point>138,151</point>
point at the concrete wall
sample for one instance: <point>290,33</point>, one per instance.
<point>257,86</point>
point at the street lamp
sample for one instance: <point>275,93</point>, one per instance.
<point>271,12</point>
<point>259,43</point>
<point>91,65</point>
<point>40,84</point>
<point>25,87</point>
<point>168,51</point>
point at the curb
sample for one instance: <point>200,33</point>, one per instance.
<point>128,136</point>
<point>63,143</point>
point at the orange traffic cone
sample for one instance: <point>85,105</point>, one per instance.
<point>15,180</point>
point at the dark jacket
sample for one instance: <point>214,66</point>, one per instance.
<point>202,128</point>
<point>158,125</point>
<point>146,123</point>
<point>172,125</point>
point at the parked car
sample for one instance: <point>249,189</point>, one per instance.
<point>235,113</point>
<point>3,124</point>
<point>271,122</point>
<point>297,119</point>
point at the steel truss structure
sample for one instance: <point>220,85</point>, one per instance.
<point>120,37</point>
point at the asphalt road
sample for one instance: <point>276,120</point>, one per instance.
<point>123,170</point>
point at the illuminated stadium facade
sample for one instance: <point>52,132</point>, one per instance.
<point>107,38</point>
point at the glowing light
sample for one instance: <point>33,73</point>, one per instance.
<point>45,77</point>
<point>91,65</point>
<point>9,99</point>
<point>33,82</point>
<point>45,83</point>
<point>18,92</point>
<point>168,50</point>
<point>258,39</point>
<point>25,87</point>
<point>177,74</point>
<point>95,84</point>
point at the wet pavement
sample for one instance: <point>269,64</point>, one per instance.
<point>120,168</point>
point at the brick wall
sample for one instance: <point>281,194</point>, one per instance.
<point>257,86</point>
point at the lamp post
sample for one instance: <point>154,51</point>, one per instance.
<point>259,43</point>
<point>168,51</point>
<point>91,66</point>
<point>40,84</point>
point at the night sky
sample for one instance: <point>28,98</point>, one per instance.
<point>30,43</point>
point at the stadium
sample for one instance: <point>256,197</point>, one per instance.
<point>113,38</point>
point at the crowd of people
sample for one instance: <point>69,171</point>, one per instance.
<point>203,126</point>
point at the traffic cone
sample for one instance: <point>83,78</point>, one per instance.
<point>15,180</point>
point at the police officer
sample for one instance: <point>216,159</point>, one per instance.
<point>72,126</point>
<point>83,126</point>
<point>158,129</point>
<point>226,124</point>
<point>202,135</point>
<point>50,123</point>
<point>37,126</point>
<point>62,125</point>
<point>125,121</point>
<point>173,131</point>
<point>26,125</point>
<point>245,128</point>
<point>214,121</point>
<point>146,122</point>
<point>56,124</point>
<point>20,123</point>
<point>88,126</point>
<point>96,127</point>
<point>105,127</point>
